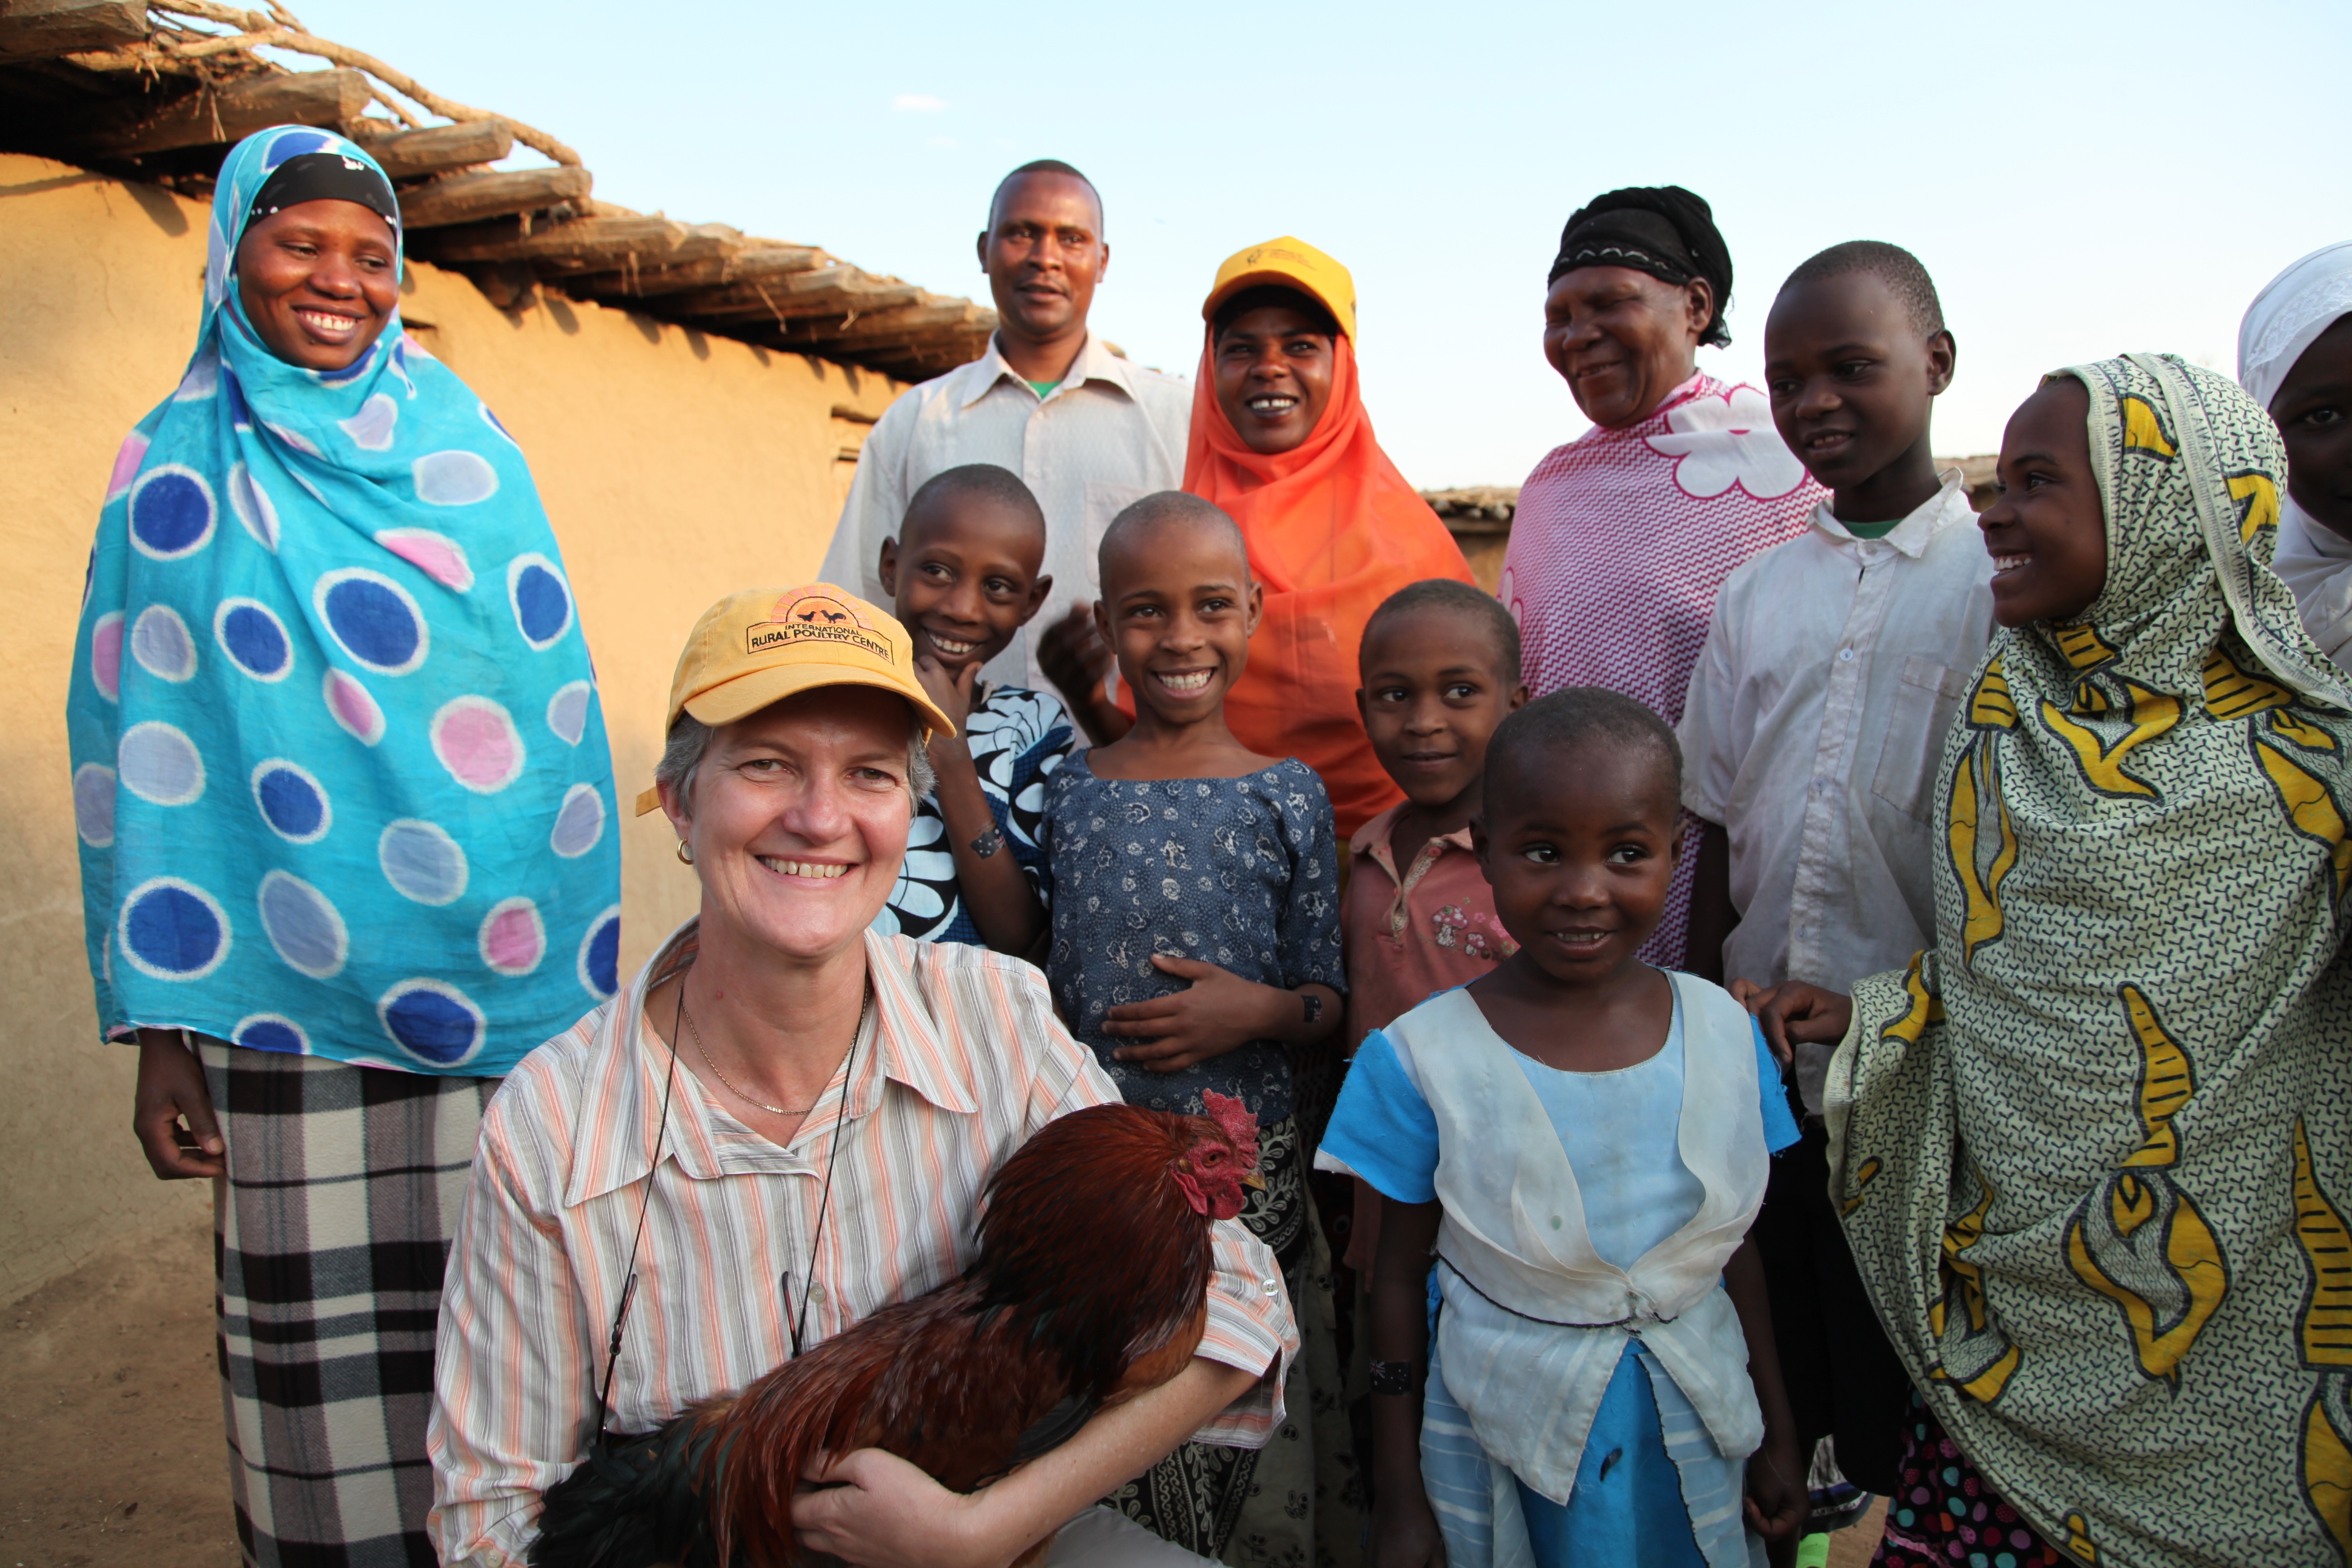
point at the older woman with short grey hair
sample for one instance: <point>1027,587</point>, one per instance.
<point>781,1124</point>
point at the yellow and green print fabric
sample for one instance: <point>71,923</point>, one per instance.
<point>2094,1150</point>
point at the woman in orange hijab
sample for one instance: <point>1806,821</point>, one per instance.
<point>1281,441</point>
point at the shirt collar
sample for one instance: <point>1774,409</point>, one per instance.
<point>630,1069</point>
<point>1380,831</point>
<point>1948,506</point>
<point>1094,362</point>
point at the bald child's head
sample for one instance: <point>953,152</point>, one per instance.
<point>1139,538</point>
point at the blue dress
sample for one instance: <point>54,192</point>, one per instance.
<point>340,773</point>
<point>1238,872</point>
<point>1620,1131</point>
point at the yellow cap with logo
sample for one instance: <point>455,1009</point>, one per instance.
<point>763,645</point>
<point>1292,264</point>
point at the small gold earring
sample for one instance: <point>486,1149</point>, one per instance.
<point>685,854</point>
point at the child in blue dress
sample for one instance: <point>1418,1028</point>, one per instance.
<point>1196,947</point>
<point>1581,1141</point>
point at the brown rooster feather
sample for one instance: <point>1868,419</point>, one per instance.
<point>1091,1286</point>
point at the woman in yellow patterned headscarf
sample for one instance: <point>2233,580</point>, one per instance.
<point>2094,1149</point>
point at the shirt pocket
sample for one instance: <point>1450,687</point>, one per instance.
<point>1927,700</point>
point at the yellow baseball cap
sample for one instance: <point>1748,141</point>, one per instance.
<point>763,645</point>
<point>1293,264</point>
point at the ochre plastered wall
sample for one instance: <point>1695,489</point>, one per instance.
<point>676,468</point>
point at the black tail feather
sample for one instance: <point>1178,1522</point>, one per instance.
<point>635,1503</point>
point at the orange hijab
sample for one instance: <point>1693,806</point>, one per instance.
<point>1333,529</point>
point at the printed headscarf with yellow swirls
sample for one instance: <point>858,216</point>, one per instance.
<point>2094,1151</point>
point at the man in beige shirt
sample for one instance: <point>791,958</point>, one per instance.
<point>1087,431</point>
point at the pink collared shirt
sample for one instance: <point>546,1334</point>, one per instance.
<point>960,1061</point>
<point>1413,933</point>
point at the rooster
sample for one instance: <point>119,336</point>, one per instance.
<point>1090,1286</point>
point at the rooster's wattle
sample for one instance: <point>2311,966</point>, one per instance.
<point>1091,1286</point>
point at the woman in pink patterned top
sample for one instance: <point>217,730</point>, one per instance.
<point>1623,535</point>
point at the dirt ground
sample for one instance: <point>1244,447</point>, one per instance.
<point>111,1451</point>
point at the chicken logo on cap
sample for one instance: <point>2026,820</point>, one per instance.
<point>817,617</point>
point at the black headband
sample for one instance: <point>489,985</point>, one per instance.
<point>1662,230</point>
<point>325,176</point>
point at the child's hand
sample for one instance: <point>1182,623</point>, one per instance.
<point>1796,1011</point>
<point>1776,1505</point>
<point>953,694</point>
<point>1406,1534</point>
<point>1218,1012</point>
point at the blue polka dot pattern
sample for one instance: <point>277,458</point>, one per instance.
<point>433,1021</point>
<point>291,801</point>
<point>270,1032</point>
<point>171,513</point>
<point>306,929</point>
<point>542,605</point>
<point>301,663</point>
<point>374,619</point>
<point>600,956</point>
<point>250,633</point>
<point>173,930</point>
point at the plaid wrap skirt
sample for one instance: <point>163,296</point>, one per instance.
<point>330,1233</point>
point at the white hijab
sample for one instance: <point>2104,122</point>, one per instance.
<point>2286,318</point>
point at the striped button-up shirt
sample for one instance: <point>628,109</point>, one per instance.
<point>959,1060</point>
<point>1108,434</point>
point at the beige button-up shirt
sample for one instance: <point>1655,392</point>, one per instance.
<point>960,1059</point>
<point>1109,434</point>
<point>1814,731</point>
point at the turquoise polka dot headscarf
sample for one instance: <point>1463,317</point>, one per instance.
<point>340,769</point>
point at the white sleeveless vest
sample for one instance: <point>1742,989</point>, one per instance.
<point>1535,1320</point>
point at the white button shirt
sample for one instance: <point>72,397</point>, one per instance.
<point>1110,434</point>
<point>1814,732</point>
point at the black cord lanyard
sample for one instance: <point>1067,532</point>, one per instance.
<point>644,1203</point>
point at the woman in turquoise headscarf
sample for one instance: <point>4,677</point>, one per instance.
<point>345,807</point>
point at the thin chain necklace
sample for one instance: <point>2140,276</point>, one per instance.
<point>866,1003</point>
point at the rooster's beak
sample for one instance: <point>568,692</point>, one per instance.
<point>1254,1180</point>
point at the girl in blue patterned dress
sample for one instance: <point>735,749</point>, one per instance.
<point>1196,947</point>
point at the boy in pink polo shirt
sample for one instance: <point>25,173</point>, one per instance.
<point>1440,665</point>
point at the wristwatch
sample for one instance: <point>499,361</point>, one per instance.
<point>988,843</point>
<point>1314,1008</point>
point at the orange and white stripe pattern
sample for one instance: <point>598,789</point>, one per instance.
<point>960,1061</point>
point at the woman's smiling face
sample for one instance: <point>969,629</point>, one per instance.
<point>797,817</point>
<point>1622,339</point>
<point>2047,531</point>
<point>319,282</point>
<point>1274,377</point>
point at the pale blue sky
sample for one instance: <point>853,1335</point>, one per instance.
<point>2080,179</point>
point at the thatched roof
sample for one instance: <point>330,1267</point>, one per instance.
<point>160,92</point>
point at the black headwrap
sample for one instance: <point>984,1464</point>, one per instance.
<point>1662,230</point>
<point>326,176</point>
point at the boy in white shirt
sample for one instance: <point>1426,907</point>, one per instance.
<point>1814,731</point>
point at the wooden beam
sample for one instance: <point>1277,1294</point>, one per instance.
<point>461,198</point>
<point>37,29</point>
<point>757,262</point>
<point>823,291</point>
<point>409,153</point>
<point>581,235</point>
<point>208,115</point>
<point>892,328</point>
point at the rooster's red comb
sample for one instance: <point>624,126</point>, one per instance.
<point>1235,1121</point>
